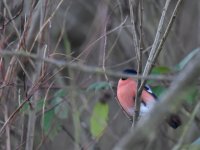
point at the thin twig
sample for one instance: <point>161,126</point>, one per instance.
<point>135,38</point>
<point>44,24</point>
<point>8,144</point>
<point>137,51</point>
<point>43,112</point>
<point>38,74</point>
<point>104,46</point>
<point>156,40</point>
<point>95,41</point>
<point>118,33</point>
<point>11,18</point>
<point>169,26</point>
<point>129,60</point>
<point>12,116</point>
<point>14,17</point>
<point>139,68</point>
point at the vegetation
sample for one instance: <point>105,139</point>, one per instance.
<point>60,61</point>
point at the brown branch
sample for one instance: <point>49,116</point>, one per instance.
<point>169,26</point>
<point>139,69</point>
<point>134,34</point>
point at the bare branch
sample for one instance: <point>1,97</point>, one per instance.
<point>85,68</point>
<point>172,19</point>
<point>11,18</point>
<point>156,40</point>
<point>139,69</point>
<point>135,38</point>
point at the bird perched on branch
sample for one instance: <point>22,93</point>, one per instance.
<point>126,92</point>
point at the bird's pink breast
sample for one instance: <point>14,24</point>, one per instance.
<point>125,93</point>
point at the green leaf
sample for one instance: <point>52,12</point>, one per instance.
<point>161,70</point>
<point>191,147</point>
<point>76,125</point>
<point>25,108</point>
<point>158,90</point>
<point>40,104</point>
<point>61,106</point>
<point>67,45</point>
<point>98,86</point>
<point>56,101</point>
<point>60,93</point>
<point>58,97</point>
<point>194,147</point>
<point>183,62</point>
<point>61,110</point>
<point>98,120</point>
<point>191,95</point>
<point>50,125</point>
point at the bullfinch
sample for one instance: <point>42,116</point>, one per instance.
<point>126,92</point>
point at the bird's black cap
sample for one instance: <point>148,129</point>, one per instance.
<point>129,71</point>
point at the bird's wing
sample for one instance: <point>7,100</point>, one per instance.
<point>148,89</point>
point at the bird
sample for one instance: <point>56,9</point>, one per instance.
<point>126,92</point>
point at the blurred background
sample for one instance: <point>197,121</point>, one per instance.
<point>65,107</point>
